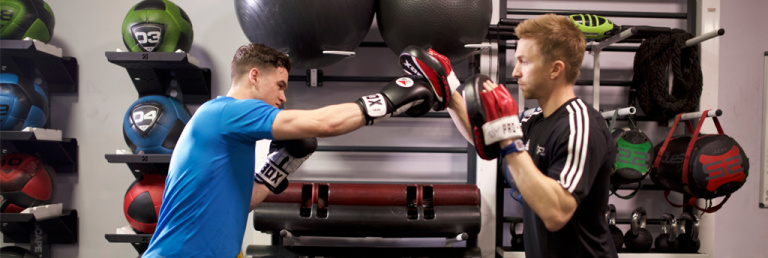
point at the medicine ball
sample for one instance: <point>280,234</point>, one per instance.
<point>23,103</point>
<point>157,26</point>
<point>16,252</point>
<point>445,26</point>
<point>142,201</point>
<point>153,124</point>
<point>303,29</point>
<point>20,19</point>
<point>25,181</point>
<point>718,166</point>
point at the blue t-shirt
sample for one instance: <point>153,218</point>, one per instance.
<point>210,180</point>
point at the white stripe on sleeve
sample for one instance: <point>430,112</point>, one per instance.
<point>577,145</point>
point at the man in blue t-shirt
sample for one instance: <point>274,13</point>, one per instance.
<point>212,181</point>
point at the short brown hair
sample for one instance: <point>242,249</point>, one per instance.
<point>558,38</point>
<point>259,56</point>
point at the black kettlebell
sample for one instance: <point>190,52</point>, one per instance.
<point>638,238</point>
<point>666,241</point>
<point>616,234</point>
<point>517,240</point>
<point>688,227</point>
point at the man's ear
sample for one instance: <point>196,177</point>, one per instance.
<point>558,69</point>
<point>253,75</point>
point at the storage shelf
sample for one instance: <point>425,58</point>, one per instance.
<point>506,253</point>
<point>140,242</point>
<point>154,73</point>
<point>128,238</point>
<point>18,227</point>
<point>22,56</point>
<point>142,163</point>
<point>61,155</point>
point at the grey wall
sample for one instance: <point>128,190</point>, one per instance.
<point>740,225</point>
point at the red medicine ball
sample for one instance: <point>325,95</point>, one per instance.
<point>142,203</point>
<point>25,181</point>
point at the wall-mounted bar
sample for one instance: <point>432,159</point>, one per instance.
<point>458,238</point>
<point>601,13</point>
<point>393,149</point>
<point>596,49</point>
<point>585,82</point>
<point>697,114</point>
<point>622,112</point>
<point>323,78</point>
<point>589,48</point>
<point>703,37</point>
<point>346,78</point>
<point>339,53</point>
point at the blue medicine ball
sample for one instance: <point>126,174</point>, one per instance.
<point>153,124</point>
<point>23,103</point>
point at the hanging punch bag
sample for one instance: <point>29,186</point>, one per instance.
<point>313,33</point>
<point>445,26</point>
<point>634,158</point>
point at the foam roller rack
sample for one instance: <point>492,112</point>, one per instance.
<point>378,210</point>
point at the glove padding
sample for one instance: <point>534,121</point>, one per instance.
<point>408,95</point>
<point>492,116</point>
<point>433,67</point>
<point>284,158</point>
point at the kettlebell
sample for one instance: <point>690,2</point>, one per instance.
<point>517,240</point>
<point>616,234</point>
<point>638,238</point>
<point>666,241</point>
<point>688,227</point>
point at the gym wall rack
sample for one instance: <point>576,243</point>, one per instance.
<point>176,74</point>
<point>59,75</point>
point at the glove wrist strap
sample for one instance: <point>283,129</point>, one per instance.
<point>507,127</point>
<point>271,175</point>
<point>373,106</point>
<point>516,146</point>
<point>453,82</point>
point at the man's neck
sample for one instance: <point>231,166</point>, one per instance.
<point>237,92</point>
<point>558,97</point>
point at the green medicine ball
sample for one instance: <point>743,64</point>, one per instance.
<point>157,26</point>
<point>20,19</point>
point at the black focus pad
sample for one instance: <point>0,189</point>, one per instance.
<point>472,87</point>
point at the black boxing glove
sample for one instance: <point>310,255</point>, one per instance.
<point>284,158</point>
<point>402,95</point>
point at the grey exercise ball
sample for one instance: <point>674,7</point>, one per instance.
<point>303,29</point>
<point>445,26</point>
